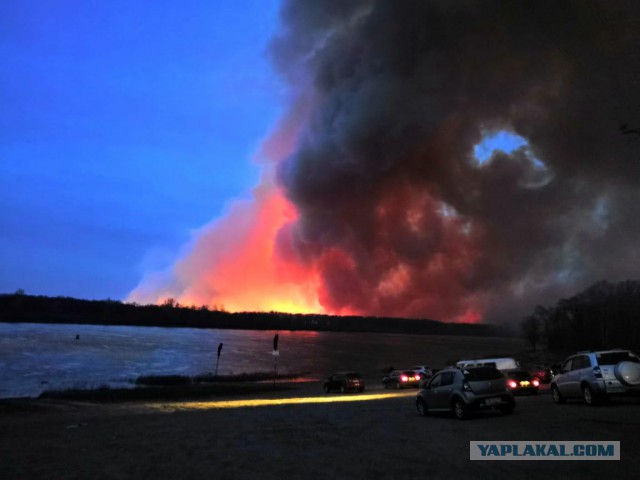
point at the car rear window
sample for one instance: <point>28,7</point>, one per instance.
<point>481,373</point>
<point>612,358</point>
<point>352,375</point>
<point>519,375</point>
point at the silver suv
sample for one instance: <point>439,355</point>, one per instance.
<point>595,376</point>
<point>463,390</point>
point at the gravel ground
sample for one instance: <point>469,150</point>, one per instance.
<point>374,438</point>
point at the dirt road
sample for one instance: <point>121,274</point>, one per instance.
<point>376,437</point>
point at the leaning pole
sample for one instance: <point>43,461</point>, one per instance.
<point>276,353</point>
<point>218,359</point>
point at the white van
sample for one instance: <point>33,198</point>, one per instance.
<point>502,364</point>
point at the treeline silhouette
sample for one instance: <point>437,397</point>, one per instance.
<point>19,307</point>
<point>605,315</point>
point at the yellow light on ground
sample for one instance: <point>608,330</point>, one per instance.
<point>264,402</point>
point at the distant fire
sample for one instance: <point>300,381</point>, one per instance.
<point>470,316</point>
<point>254,259</point>
<point>235,265</point>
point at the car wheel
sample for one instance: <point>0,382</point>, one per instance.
<point>590,398</point>
<point>460,410</point>
<point>326,389</point>
<point>342,389</point>
<point>506,409</point>
<point>557,396</point>
<point>422,407</point>
<point>361,389</point>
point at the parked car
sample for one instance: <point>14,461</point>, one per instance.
<point>401,379</point>
<point>463,391</point>
<point>344,382</point>
<point>422,370</point>
<point>521,383</point>
<point>542,372</point>
<point>597,376</point>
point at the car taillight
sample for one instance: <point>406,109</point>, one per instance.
<point>512,384</point>
<point>417,377</point>
<point>466,387</point>
<point>597,372</point>
<point>536,382</point>
<point>404,378</point>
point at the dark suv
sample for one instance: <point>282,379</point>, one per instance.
<point>595,376</point>
<point>344,382</point>
<point>464,390</point>
<point>521,383</point>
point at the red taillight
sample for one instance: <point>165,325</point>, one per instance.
<point>536,382</point>
<point>512,384</point>
<point>417,377</point>
<point>404,378</point>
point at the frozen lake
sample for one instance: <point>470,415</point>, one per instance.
<point>39,357</point>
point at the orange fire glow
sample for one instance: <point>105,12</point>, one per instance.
<point>470,316</point>
<point>244,272</point>
<point>245,261</point>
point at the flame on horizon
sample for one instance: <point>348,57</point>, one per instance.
<point>248,261</point>
<point>233,263</point>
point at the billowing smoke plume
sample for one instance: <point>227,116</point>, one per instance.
<point>390,211</point>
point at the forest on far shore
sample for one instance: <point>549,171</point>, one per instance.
<point>22,308</point>
<point>605,315</point>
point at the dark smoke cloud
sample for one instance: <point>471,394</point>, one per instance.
<point>395,210</point>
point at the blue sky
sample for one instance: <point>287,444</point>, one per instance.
<point>123,127</point>
<point>501,140</point>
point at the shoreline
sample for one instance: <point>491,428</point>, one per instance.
<point>172,387</point>
<point>106,396</point>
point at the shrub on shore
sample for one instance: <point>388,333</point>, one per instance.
<point>177,387</point>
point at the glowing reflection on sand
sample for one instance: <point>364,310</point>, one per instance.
<point>264,402</point>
